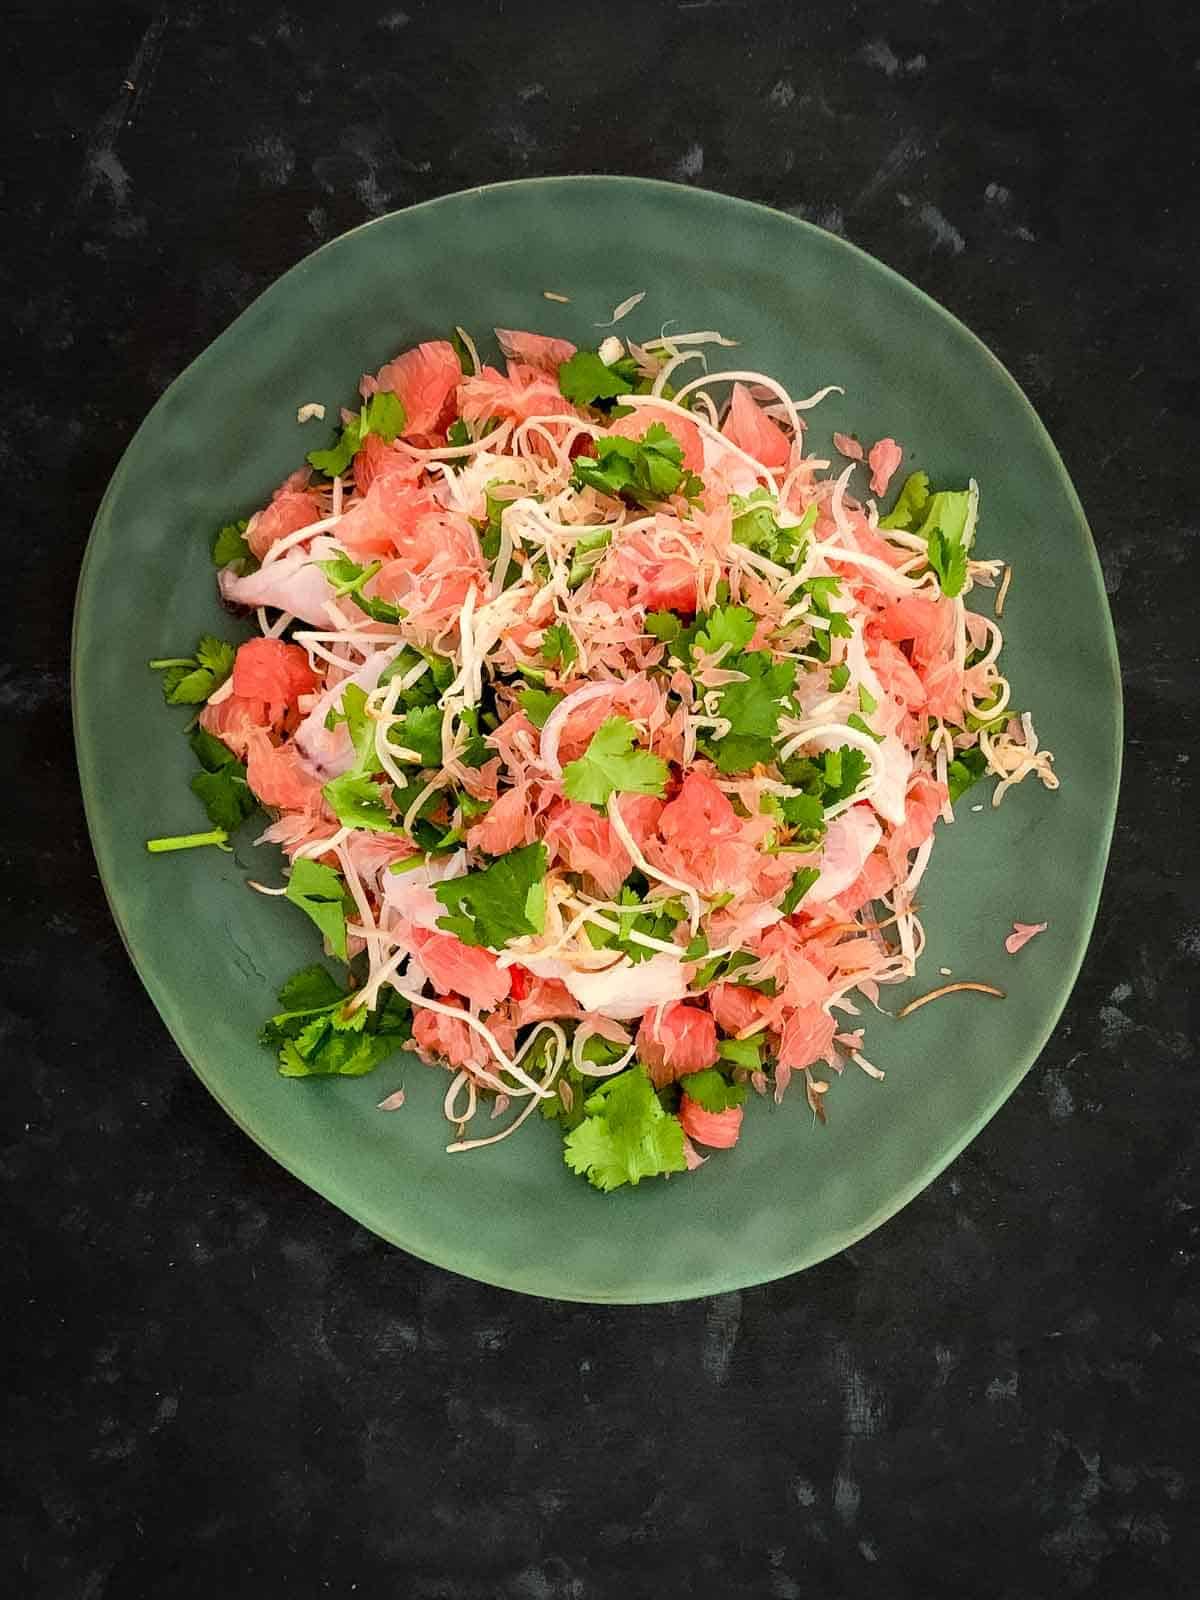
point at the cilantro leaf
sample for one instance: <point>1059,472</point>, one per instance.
<point>839,677</point>
<point>584,379</point>
<point>501,902</point>
<point>558,644</point>
<point>711,1091</point>
<point>742,1052</point>
<point>230,548</point>
<point>189,680</point>
<point>644,470</point>
<point>723,968</point>
<point>664,625</point>
<point>738,752</point>
<point>537,704</point>
<point>352,710</point>
<point>754,522</point>
<point>731,625</point>
<point>430,685</point>
<point>383,414</point>
<point>420,732</point>
<point>910,503</point>
<point>965,770</point>
<point>221,785</point>
<point>845,769</point>
<point>800,885</point>
<point>356,800</point>
<point>430,831</point>
<point>657,923</point>
<point>611,764</point>
<point>754,708</point>
<point>942,519</point>
<point>324,1049</point>
<point>315,1036</point>
<point>754,526</point>
<point>832,776</point>
<point>945,528</point>
<point>578,1087</point>
<point>459,345</point>
<point>348,578</point>
<point>625,1135</point>
<point>805,816</point>
<point>586,555</point>
<point>311,989</point>
<point>321,894</point>
<point>856,722</point>
<point>475,752</point>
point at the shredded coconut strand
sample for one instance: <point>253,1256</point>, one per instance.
<point>622,310</point>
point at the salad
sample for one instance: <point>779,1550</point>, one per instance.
<point>604,727</point>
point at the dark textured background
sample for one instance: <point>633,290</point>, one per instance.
<point>218,1385</point>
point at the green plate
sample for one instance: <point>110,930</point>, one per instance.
<point>810,309</point>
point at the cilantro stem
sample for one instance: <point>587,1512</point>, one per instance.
<point>171,661</point>
<point>188,841</point>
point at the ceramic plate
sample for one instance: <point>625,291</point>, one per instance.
<point>810,309</point>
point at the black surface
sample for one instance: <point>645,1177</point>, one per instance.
<point>217,1384</point>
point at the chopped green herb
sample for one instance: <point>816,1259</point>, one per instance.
<point>724,625</point>
<point>348,578</point>
<point>356,800</point>
<point>658,923</point>
<point>352,710</point>
<point>832,776</point>
<point>382,414</point>
<point>713,1092</point>
<point>321,894</point>
<point>314,1035</point>
<point>965,770</point>
<point>720,968</point>
<point>910,503</point>
<point>537,704</point>
<point>745,1053</point>
<point>584,379</point>
<point>221,786</point>
<point>664,625</point>
<point>856,722</point>
<point>611,764</point>
<point>420,732</point>
<point>501,902</point>
<point>570,1085</point>
<point>754,526</point>
<point>231,550</point>
<point>839,677</point>
<point>459,345</point>
<point>558,646</point>
<point>644,471</point>
<point>800,885</point>
<point>945,528</point>
<point>753,708</point>
<point>190,680</point>
<point>188,841</point>
<point>586,555</point>
<point>625,1134</point>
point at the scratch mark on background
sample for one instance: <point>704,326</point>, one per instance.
<point>940,230</point>
<point>101,162</point>
<point>898,159</point>
<point>721,1326</point>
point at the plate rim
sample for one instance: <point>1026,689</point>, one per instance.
<point>325,1181</point>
